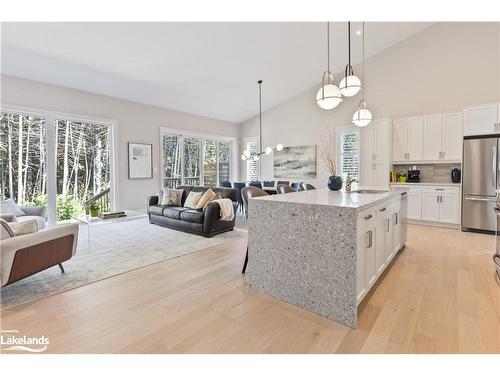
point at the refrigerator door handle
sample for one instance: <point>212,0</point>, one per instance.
<point>480,199</point>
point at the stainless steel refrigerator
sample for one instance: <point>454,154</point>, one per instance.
<point>480,182</point>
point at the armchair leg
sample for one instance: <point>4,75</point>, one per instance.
<point>246,262</point>
<point>61,268</point>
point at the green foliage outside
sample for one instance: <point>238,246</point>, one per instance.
<point>66,206</point>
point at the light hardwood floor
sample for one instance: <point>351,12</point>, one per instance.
<point>439,296</point>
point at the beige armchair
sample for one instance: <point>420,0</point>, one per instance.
<point>26,255</point>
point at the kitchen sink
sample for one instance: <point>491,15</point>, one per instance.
<point>368,191</point>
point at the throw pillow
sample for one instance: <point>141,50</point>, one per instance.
<point>172,197</point>
<point>24,227</point>
<point>8,206</point>
<point>215,197</point>
<point>192,199</point>
<point>5,230</point>
<point>205,198</point>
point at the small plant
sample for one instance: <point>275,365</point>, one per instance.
<point>94,209</point>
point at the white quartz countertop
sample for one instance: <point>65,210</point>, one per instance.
<point>326,197</point>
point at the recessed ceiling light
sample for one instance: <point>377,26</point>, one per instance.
<point>359,32</point>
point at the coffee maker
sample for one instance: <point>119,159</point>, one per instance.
<point>413,175</point>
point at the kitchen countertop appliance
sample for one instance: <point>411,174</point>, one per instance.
<point>480,182</point>
<point>414,175</point>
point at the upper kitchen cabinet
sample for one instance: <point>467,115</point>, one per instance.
<point>408,139</point>
<point>376,141</point>
<point>482,119</point>
<point>443,137</point>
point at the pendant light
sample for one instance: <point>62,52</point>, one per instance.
<point>246,153</point>
<point>350,84</point>
<point>328,96</point>
<point>362,116</point>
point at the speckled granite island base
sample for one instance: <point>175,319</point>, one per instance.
<point>302,250</point>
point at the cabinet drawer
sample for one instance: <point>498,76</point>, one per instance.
<point>442,189</point>
<point>366,217</point>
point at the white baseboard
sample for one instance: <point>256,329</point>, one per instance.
<point>434,224</point>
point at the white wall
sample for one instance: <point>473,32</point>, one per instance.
<point>443,68</point>
<point>135,122</point>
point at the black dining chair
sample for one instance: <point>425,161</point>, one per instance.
<point>283,183</point>
<point>296,186</point>
<point>268,183</point>
<point>256,184</point>
<point>306,186</point>
<point>226,184</point>
<point>283,189</point>
<point>247,193</point>
<point>239,186</point>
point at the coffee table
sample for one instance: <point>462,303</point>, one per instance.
<point>90,221</point>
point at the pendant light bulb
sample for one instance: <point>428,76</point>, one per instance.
<point>362,116</point>
<point>328,96</point>
<point>268,150</point>
<point>279,147</point>
<point>243,157</point>
<point>256,158</point>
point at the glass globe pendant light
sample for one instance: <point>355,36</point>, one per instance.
<point>328,96</point>
<point>350,84</point>
<point>362,116</point>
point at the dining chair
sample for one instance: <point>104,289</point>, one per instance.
<point>256,184</point>
<point>306,186</point>
<point>226,184</point>
<point>283,183</point>
<point>283,189</point>
<point>247,193</point>
<point>296,186</point>
<point>268,183</point>
<point>239,186</point>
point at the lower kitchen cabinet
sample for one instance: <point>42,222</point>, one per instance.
<point>379,239</point>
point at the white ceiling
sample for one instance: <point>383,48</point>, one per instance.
<point>209,69</point>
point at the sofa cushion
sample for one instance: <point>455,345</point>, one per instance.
<point>193,216</point>
<point>8,206</point>
<point>24,227</point>
<point>157,210</point>
<point>205,198</point>
<point>172,197</point>
<point>174,212</point>
<point>40,221</point>
<point>5,230</point>
<point>192,199</point>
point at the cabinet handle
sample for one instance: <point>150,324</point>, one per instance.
<point>440,199</point>
<point>437,198</point>
<point>382,209</point>
<point>368,217</point>
<point>370,239</point>
<point>396,218</point>
<point>388,225</point>
<point>439,189</point>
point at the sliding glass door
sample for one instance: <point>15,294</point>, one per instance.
<point>83,167</point>
<point>64,164</point>
<point>195,160</point>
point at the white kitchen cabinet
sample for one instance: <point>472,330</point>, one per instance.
<point>374,174</point>
<point>452,136</point>
<point>388,237</point>
<point>415,204</point>
<point>376,141</point>
<point>380,239</point>
<point>430,206</point>
<point>400,140</point>
<point>361,249</point>
<point>441,205</point>
<point>481,119</point>
<point>396,231</point>
<point>450,209</point>
<point>415,138</point>
<point>433,130</point>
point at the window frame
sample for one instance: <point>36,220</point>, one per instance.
<point>182,134</point>
<point>246,141</point>
<point>338,143</point>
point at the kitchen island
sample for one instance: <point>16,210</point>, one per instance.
<point>323,250</point>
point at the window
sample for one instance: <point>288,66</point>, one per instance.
<point>348,146</point>
<point>195,160</point>
<point>59,162</point>
<point>252,165</point>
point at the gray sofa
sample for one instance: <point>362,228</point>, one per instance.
<point>206,223</point>
<point>39,213</point>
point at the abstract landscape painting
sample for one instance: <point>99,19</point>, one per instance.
<point>295,162</point>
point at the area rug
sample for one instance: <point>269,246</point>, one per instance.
<point>114,248</point>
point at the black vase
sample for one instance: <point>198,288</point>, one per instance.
<point>335,183</point>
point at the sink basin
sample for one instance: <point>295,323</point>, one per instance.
<point>368,191</point>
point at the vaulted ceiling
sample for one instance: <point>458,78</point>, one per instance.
<point>209,69</point>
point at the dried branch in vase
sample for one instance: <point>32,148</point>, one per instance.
<point>327,152</point>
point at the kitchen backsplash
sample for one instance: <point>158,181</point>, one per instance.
<point>439,173</point>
